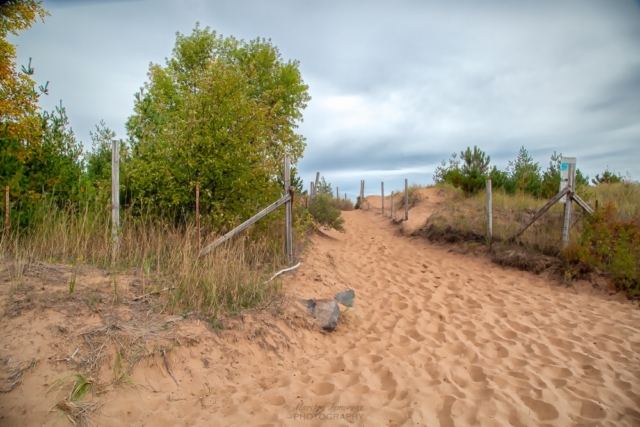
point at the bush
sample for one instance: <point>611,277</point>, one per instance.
<point>611,245</point>
<point>342,204</point>
<point>324,214</point>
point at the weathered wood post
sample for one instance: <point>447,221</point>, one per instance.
<point>115,195</point>
<point>406,199</point>
<point>198,213</point>
<point>7,220</point>
<point>345,197</point>
<point>392,206</point>
<point>567,206</point>
<point>288,211</point>
<point>382,190</point>
<point>315,186</point>
<point>337,194</point>
<point>489,212</point>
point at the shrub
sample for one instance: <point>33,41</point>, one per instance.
<point>324,214</point>
<point>611,245</point>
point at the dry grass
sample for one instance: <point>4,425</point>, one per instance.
<point>624,195</point>
<point>342,204</point>
<point>463,219</point>
<point>227,280</point>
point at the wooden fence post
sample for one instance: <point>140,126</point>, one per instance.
<point>115,194</point>
<point>406,199</point>
<point>489,212</point>
<point>345,197</point>
<point>315,186</point>
<point>567,206</point>
<point>337,194</point>
<point>382,190</point>
<point>7,220</point>
<point>392,206</point>
<point>288,221</point>
<point>198,213</point>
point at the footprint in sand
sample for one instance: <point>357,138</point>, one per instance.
<point>322,389</point>
<point>544,411</point>
<point>592,410</point>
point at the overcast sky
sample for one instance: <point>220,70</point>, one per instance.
<point>396,86</point>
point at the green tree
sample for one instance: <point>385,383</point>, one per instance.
<point>524,173</point>
<point>19,111</point>
<point>440,173</point>
<point>475,168</point>
<point>469,172</point>
<point>53,166</point>
<point>221,112</point>
<point>98,163</point>
<point>324,187</point>
<point>296,181</point>
<point>607,177</point>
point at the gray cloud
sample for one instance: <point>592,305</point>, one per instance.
<point>396,86</point>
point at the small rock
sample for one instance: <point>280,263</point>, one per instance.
<point>327,314</point>
<point>325,311</point>
<point>346,297</point>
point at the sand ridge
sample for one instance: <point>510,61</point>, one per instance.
<point>435,339</point>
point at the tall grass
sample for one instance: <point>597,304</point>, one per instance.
<point>624,195</point>
<point>226,280</point>
<point>464,218</point>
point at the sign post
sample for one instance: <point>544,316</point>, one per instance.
<point>565,177</point>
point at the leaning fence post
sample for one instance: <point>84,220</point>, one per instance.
<point>406,199</point>
<point>489,212</point>
<point>382,190</point>
<point>198,213</point>
<point>6,211</point>
<point>115,194</point>
<point>567,207</point>
<point>288,222</point>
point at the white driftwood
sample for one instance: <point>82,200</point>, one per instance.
<point>282,271</point>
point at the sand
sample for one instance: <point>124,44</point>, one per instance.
<point>436,338</point>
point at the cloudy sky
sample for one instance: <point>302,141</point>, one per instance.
<point>396,86</point>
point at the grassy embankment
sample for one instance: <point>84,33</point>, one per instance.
<point>608,243</point>
<point>227,280</point>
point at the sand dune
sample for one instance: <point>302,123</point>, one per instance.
<point>435,339</point>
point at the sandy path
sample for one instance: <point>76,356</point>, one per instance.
<point>435,339</point>
<point>430,200</point>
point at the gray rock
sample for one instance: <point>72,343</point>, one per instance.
<point>327,314</point>
<point>346,297</point>
<point>325,311</point>
<point>310,304</point>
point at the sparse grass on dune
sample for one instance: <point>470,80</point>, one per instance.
<point>624,195</point>
<point>227,280</point>
<point>341,204</point>
<point>463,219</point>
<point>413,196</point>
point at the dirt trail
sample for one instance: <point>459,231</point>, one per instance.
<point>435,339</point>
